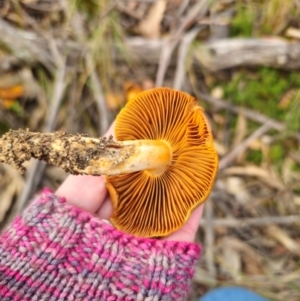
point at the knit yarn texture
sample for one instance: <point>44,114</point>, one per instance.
<point>55,251</point>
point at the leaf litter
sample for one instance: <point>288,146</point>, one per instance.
<point>253,227</point>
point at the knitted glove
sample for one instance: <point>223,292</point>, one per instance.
<point>55,251</point>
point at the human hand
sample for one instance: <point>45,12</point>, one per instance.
<point>90,194</point>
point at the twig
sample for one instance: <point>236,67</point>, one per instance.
<point>32,48</point>
<point>95,81</point>
<point>253,115</point>
<point>25,45</point>
<point>209,239</point>
<point>164,60</point>
<point>255,221</point>
<point>98,94</point>
<point>181,57</point>
<point>183,5</point>
<point>240,148</point>
<point>195,12</point>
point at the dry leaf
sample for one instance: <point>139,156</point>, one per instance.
<point>231,261</point>
<point>6,197</point>
<point>287,98</point>
<point>287,171</point>
<point>296,200</point>
<point>148,84</point>
<point>240,129</point>
<point>114,101</point>
<point>217,92</point>
<point>4,8</point>
<point>219,119</point>
<point>14,174</point>
<point>237,187</point>
<point>150,26</point>
<point>12,92</point>
<point>131,90</point>
<point>220,148</point>
<point>251,259</point>
<point>264,175</point>
<point>293,33</point>
<point>282,237</point>
<point>7,103</point>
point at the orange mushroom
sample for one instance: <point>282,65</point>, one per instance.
<point>161,167</point>
<point>159,199</point>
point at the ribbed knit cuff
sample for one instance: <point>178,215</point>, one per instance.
<point>55,251</point>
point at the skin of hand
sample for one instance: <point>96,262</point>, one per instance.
<point>90,194</point>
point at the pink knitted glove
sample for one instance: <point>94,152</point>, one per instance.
<point>55,251</point>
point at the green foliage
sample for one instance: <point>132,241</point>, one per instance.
<point>293,116</point>
<point>260,18</point>
<point>297,190</point>
<point>3,128</point>
<point>296,167</point>
<point>254,156</point>
<point>17,108</point>
<point>277,153</point>
<point>91,8</point>
<point>262,90</point>
<point>242,23</point>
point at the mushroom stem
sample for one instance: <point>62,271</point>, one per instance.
<point>79,154</point>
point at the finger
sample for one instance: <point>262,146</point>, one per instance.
<point>188,231</point>
<point>105,210</point>
<point>85,192</point>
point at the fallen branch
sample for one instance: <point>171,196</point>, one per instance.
<point>235,52</point>
<point>216,55</point>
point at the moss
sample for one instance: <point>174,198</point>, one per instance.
<point>242,23</point>
<point>3,128</point>
<point>296,167</point>
<point>260,18</point>
<point>254,156</point>
<point>292,117</point>
<point>277,153</point>
<point>297,190</point>
<point>262,91</point>
<point>91,8</point>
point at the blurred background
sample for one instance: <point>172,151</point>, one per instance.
<point>72,65</point>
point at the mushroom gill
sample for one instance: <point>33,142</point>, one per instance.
<point>154,204</point>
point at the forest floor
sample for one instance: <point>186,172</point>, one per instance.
<point>72,65</point>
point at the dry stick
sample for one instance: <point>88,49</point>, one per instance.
<point>253,115</point>
<point>32,48</point>
<point>25,45</point>
<point>255,221</point>
<point>183,5</point>
<point>36,169</point>
<point>240,148</point>
<point>181,58</point>
<point>234,52</point>
<point>98,94</point>
<point>95,81</point>
<point>195,12</point>
<point>209,238</point>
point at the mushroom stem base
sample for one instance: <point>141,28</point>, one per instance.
<point>79,154</point>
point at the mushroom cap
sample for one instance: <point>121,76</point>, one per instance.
<point>155,205</point>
